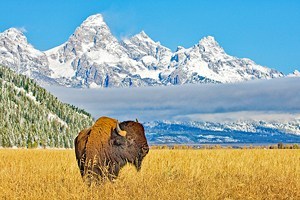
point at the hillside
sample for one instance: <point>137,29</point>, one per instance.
<point>32,117</point>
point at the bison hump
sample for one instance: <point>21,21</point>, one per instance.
<point>99,137</point>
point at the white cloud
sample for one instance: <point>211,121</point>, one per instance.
<point>277,99</point>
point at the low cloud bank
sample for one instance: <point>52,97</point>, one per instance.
<point>276,99</point>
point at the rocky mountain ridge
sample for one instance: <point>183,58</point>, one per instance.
<point>93,57</point>
<point>234,132</point>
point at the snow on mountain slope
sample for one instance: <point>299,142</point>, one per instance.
<point>200,132</point>
<point>296,73</point>
<point>148,53</point>
<point>22,57</point>
<point>141,47</point>
<point>31,116</point>
<point>207,59</point>
<point>93,57</point>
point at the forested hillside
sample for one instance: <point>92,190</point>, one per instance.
<point>32,117</point>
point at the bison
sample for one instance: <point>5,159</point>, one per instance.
<point>103,149</point>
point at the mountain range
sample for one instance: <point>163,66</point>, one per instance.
<point>94,57</point>
<point>234,132</point>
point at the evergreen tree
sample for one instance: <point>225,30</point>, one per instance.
<point>32,117</point>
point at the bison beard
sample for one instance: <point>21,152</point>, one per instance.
<point>101,151</point>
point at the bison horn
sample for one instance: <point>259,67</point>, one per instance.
<point>119,131</point>
<point>136,120</point>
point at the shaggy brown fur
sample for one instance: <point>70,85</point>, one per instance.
<point>80,146</point>
<point>101,151</point>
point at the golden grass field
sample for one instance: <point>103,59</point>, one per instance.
<point>165,174</point>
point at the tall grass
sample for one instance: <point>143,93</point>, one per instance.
<point>165,174</point>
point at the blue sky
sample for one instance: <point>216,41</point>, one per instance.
<point>266,31</point>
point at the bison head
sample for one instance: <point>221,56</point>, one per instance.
<point>135,144</point>
<point>102,150</point>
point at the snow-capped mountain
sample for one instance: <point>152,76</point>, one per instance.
<point>22,57</point>
<point>142,48</point>
<point>93,57</point>
<point>207,60</point>
<point>172,132</point>
<point>296,73</point>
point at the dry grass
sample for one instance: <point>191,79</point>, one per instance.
<point>166,174</point>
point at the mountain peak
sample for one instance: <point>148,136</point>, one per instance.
<point>15,34</point>
<point>142,37</point>
<point>210,44</point>
<point>179,48</point>
<point>14,31</point>
<point>296,73</point>
<point>94,20</point>
<point>208,41</point>
<point>143,34</point>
